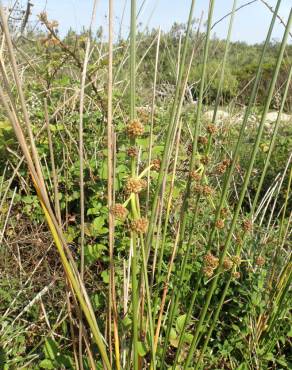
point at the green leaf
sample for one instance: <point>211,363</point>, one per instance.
<point>51,349</point>
<point>46,364</point>
<point>180,322</point>
<point>105,276</point>
<point>97,226</point>
<point>142,349</point>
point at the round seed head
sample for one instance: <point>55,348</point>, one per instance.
<point>203,140</point>
<point>156,163</point>
<point>195,175</point>
<point>205,160</point>
<point>207,190</point>
<point>227,264</point>
<point>140,225</point>
<point>119,211</point>
<point>198,189</point>
<point>132,152</point>
<point>208,271</point>
<point>221,168</point>
<point>247,225</point>
<point>135,128</point>
<point>134,185</point>
<point>211,261</point>
<point>224,212</point>
<point>219,224</point>
<point>226,162</point>
<point>236,274</point>
<point>236,260</point>
<point>211,129</point>
<point>260,261</point>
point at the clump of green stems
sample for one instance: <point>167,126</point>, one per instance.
<point>153,325</point>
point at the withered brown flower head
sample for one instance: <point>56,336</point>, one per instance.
<point>226,162</point>
<point>208,271</point>
<point>227,264</point>
<point>132,151</point>
<point>205,160</point>
<point>247,225</point>
<point>140,225</point>
<point>221,168</point>
<point>211,261</point>
<point>198,188</point>
<point>203,140</point>
<point>119,211</point>
<point>260,261</point>
<point>207,190</point>
<point>236,260</point>
<point>135,185</point>
<point>211,129</point>
<point>236,274</point>
<point>156,163</point>
<point>195,175</point>
<point>224,212</point>
<point>219,224</point>
<point>135,128</point>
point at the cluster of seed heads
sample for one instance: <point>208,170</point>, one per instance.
<point>135,185</point>
<point>119,211</point>
<point>210,264</point>
<point>140,225</point>
<point>135,128</point>
<point>203,189</point>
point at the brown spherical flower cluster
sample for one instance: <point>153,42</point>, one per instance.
<point>119,211</point>
<point>236,260</point>
<point>156,163</point>
<point>203,140</point>
<point>247,225</point>
<point>211,129</point>
<point>132,151</point>
<point>143,114</point>
<point>224,212</point>
<point>198,188</point>
<point>208,271</point>
<point>140,225</point>
<point>205,160</point>
<point>211,261</point>
<point>236,274</point>
<point>221,168</point>
<point>260,261</point>
<point>227,264</point>
<point>135,128</point>
<point>194,175</point>
<point>135,185</point>
<point>207,190</point>
<point>219,224</point>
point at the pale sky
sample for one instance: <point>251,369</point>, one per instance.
<point>251,23</point>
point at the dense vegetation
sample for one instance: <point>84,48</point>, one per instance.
<point>166,190</point>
